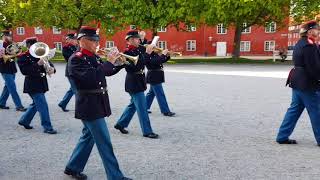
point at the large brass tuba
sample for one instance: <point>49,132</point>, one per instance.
<point>41,50</point>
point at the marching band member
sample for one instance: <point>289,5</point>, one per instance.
<point>88,72</point>
<point>8,71</point>
<point>135,85</point>
<point>143,39</point>
<point>155,77</point>
<point>304,80</point>
<point>36,85</point>
<point>67,50</point>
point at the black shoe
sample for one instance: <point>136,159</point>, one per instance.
<point>151,135</point>
<point>63,109</point>
<point>125,178</point>
<point>121,129</point>
<point>50,131</point>
<point>4,107</point>
<point>78,176</point>
<point>289,141</point>
<point>22,109</point>
<point>170,114</point>
<point>25,126</point>
<point>149,111</point>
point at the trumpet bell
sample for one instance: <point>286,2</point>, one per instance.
<point>39,50</point>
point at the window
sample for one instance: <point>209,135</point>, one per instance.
<point>221,29</point>
<point>56,30</point>
<point>109,44</point>
<point>289,43</point>
<point>38,30</point>
<point>162,44</point>
<point>191,28</point>
<point>289,35</point>
<point>133,27</point>
<point>20,30</point>
<point>58,45</point>
<point>270,27</point>
<point>247,29</point>
<point>162,29</point>
<point>245,46</point>
<point>269,45</point>
<point>191,45</point>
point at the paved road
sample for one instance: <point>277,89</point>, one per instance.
<point>225,130</point>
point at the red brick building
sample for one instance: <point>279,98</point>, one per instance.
<point>196,41</point>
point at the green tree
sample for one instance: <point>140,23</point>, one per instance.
<point>66,14</point>
<point>302,10</point>
<point>236,13</point>
<point>151,14</point>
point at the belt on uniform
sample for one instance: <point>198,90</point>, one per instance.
<point>155,70</point>
<point>138,72</point>
<point>92,91</point>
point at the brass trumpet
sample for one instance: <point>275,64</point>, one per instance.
<point>160,50</point>
<point>134,59</point>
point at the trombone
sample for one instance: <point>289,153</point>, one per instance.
<point>133,59</point>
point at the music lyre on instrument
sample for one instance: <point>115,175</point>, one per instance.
<point>13,50</point>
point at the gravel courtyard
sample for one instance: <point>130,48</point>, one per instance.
<point>226,123</point>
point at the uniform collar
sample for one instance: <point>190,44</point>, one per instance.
<point>311,40</point>
<point>86,52</point>
<point>131,47</point>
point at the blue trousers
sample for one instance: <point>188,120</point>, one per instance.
<point>95,132</point>
<point>156,90</point>
<point>137,103</point>
<point>301,100</point>
<point>39,104</point>
<point>64,102</point>
<point>10,88</point>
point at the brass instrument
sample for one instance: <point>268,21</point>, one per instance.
<point>106,51</point>
<point>160,50</point>
<point>13,50</point>
<point>41,50</point>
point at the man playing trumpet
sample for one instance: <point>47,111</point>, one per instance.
<point>88,72</point>
<point>36,85</point>
<point>8,71</point>
<point>135,85</point>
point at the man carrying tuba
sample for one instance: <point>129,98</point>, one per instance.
<point>35,84</point>
<point>8,71</point>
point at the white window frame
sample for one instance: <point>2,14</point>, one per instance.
<point>109,44</point>
<point>245,46</point>
<point>38,30</point>
<point>191,28</point>
<point>246,30</point>
<point>268,47</point>
<point>20,31</point>
<point>221,29</point>
<point>271,27</point>
<point>56,30</point>
<point>58,46</point>
<point>133,27</point>
<point>162,44</point>
<point>162,29</point>
<point>193,45</point>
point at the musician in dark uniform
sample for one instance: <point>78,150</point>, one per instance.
<point>68,49</point>
<point>8,71</point>
<point>155,77</point>
<point>135,85</point>
<point>143,39</point>
<point>36,85</point>
<point>304,81</point>
<point>88,72</point>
